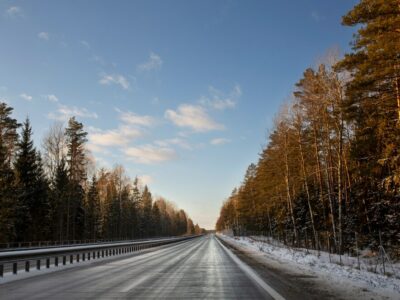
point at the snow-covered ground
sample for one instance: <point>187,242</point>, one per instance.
<point>354,283</point>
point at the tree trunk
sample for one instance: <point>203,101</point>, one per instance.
<point>303,168</point>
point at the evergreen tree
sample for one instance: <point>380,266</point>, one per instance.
<point>93,211</point>
<point>8,139</point>
<point>31,190</point>
<point>156,220</point>
<point>137,203</point>
<point>373,105</point>
<point>59,202</point>
<point>76,161</point>
<point>147,212</point>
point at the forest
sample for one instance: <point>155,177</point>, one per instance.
<point>47,196</point>
<point>329,174</point>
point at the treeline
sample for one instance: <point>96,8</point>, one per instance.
<point>329,175</point>
<point>47,196</point>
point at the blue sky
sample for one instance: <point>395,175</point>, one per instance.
<point>182,93</point>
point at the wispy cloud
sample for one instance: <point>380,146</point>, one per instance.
<point>149,154</point>
<point>85,44</point>
<point>174,141</point>
<point>220,100</point>
<point>14,11</point>
<point>117,79</point>
<point>98,60</point>
<point>64,112</point>
<point>98,149</point>
<point>194,117</point>
<point>317,16</point>
<point>153,63</point>
<point>145,179</point>
<point>219,141</point>
<point>121,136</point>
<point>26,97</point>
<point>52,98</point>
<point>43,35</point>
<point>135,119</point>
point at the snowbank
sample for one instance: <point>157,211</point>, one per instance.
<point>324,266</point>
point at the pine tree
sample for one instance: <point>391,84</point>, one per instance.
<point>156,220</point>
<point>31,190</point>
<point>147,209</point>
<point>93,211</point>
<point>137,205</point>
<point>59,202</point>
<point>25,169</point>
<point>8,140</point>
<point>76,161</point>
<point>373,105</point>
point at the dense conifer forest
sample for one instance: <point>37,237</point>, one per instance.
<point>329,175</point>
<point>47,196</point>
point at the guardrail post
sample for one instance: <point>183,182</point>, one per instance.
<point>64,260</point>
<point>1,270</point>
<point>15,268</point>
<point>83,256</point>
<point>71,259</point>
<point>27,265</point>
<point>38,264</point>
<point>56,261</point>
<point>88,256</point>
<point>77,258</point>
<point>47,263</point>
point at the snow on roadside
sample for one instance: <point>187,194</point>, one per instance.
<point>381,286</point>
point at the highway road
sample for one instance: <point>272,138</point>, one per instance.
<point>196,269</point>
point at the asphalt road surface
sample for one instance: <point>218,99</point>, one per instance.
<point>197,269</point>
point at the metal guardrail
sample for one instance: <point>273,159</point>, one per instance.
<point>62,255</point>
<point>63,243</point>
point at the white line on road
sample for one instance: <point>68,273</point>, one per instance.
<point>253,275</point>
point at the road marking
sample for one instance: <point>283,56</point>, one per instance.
<point>253,275</point>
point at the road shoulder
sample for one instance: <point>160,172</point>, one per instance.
<point>295,283</point>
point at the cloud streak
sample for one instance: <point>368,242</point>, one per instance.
<point>194,117</point>
<point>219,141</point>
<point>149,154</point>
<point>43,36</point>
<point>65,112</point>
<point>14,11</point>
<point>121,136</point>
<point>153,63</point>
<point>52,98</point>
<point>135,119</point>
<point>26,97</point>
<point>174,141</point>
<point>107,79</point>
<point>219,100</point>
